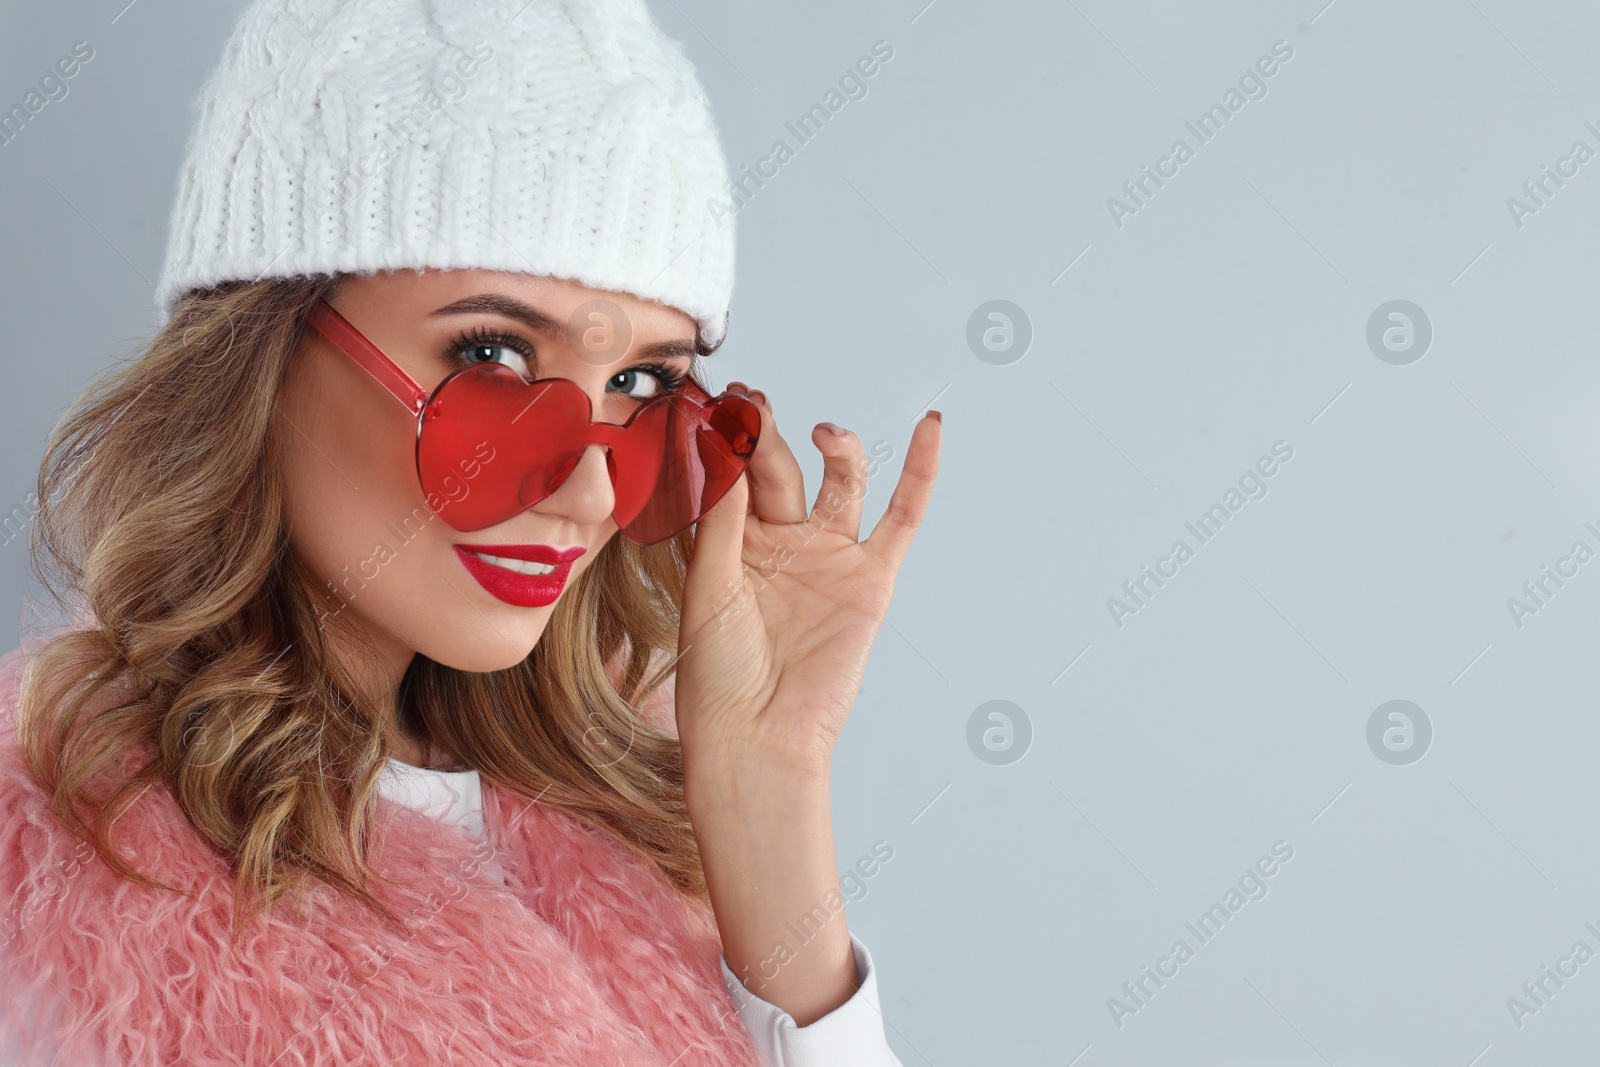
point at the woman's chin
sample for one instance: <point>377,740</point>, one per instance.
<point>480,647</point>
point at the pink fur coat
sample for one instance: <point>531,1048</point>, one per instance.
<point>544,944</point>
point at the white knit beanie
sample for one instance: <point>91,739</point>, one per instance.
<point>556,137</point>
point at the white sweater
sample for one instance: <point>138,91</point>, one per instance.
<point>852,1035</point>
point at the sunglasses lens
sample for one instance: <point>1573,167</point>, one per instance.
<point>703,450</point>
<point>492,446</point>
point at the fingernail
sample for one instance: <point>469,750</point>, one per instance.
<point>831,428</point>
<point>938,416</point>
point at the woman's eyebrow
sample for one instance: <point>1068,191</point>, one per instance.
<point>668,350</point>
<point>539,322</point>
<point>511,308</point>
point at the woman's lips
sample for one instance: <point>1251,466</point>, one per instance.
<point>521,590</point>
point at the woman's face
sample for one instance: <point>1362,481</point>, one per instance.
<point>359,519</point>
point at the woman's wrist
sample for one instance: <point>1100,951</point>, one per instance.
<point>766,844</point>
<point>756,792</point>
<point>787,758</point>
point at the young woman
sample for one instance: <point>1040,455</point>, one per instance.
<point>453,678</point>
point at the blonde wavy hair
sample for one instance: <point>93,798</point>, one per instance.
<point>160,506</point>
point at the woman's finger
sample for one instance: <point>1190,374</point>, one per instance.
<point>777,485</point>
<point>891,537</point>
<point>844,481</point>
<point>716,562</point>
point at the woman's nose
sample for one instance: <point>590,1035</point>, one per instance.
<point>586,497</point>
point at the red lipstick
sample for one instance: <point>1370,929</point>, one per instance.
<point>510,585</point>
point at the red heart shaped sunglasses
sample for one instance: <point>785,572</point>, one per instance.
<point>669,463</point>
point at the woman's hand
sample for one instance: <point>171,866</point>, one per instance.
<point>781,604</point>
<point>780,609</point>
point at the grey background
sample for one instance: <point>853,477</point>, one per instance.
<point>1229,313</point>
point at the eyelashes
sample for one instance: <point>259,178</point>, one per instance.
<point>670,378</point>
<point>667,376</point>
<point>485,337</point>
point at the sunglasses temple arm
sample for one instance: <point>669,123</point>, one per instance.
<point>349,340</point>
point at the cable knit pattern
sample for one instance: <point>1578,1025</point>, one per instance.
<point>561,137</point>
<point>584,955</point>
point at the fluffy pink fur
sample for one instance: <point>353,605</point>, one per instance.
<point>585,957</point>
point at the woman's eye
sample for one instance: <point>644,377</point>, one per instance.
<point>487,353</point>
<point>636,383</point>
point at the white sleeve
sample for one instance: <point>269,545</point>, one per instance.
<point>851,1035</point>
